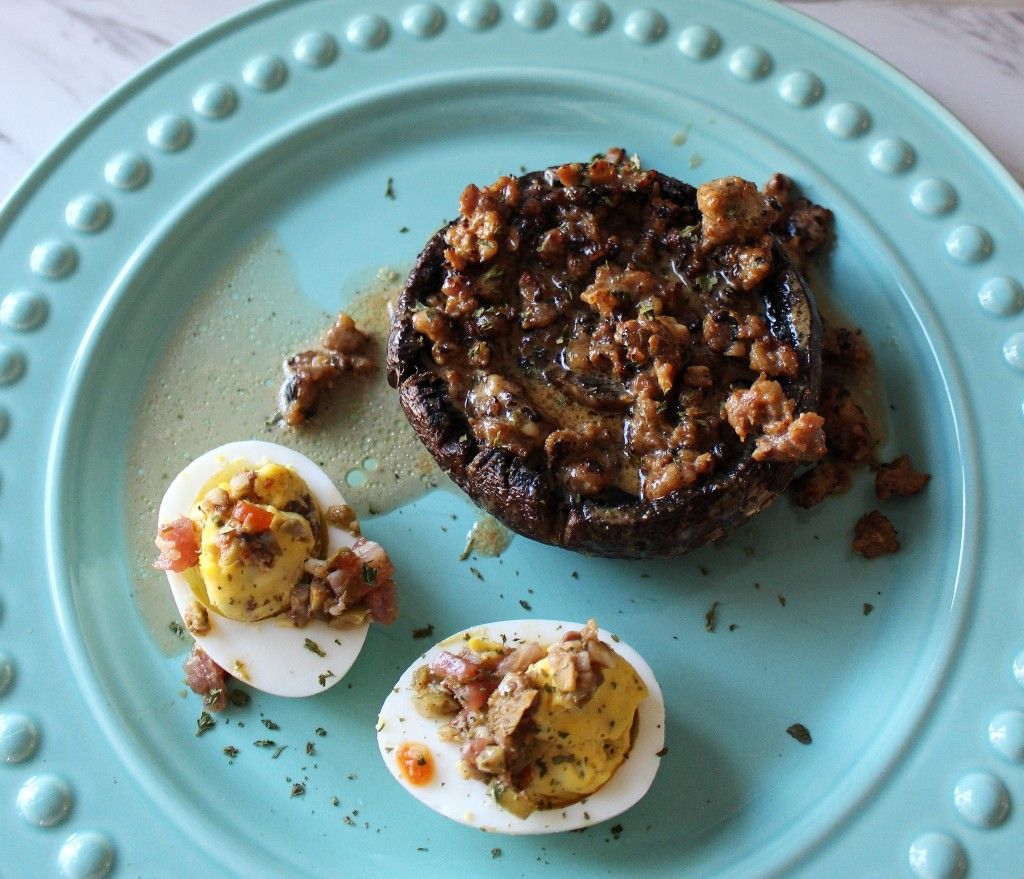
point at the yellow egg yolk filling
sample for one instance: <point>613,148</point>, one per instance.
<point>248,571</point>
<point>577,748</point>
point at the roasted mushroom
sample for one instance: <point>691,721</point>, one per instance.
<point>610,360</point>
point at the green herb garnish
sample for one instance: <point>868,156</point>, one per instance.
<point>312,646</point>
<point>800,732</point>
<point>706,282</point>
<point>709,617</point>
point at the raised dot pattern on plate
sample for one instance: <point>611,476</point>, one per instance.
<point>891,155</point>
<point>750,63</point>
<point>645,26</point>
<point>969,243</point>
<point>699,42</point>
<point>23,310</point>
<point>44,800</point>
<point>265,73</point>
<point>169,133</point>
<point>215,100</point>
<point>534,15</point>
<point>933,196</point>
<point>478,15</point>
<point>367,32</point>
<point>87,855</point>
<point>590,17</point>
<point>6,673</point>
<point>423,20</point>
<point>1006,735</point>
<point>19,737</point>
<point>937,856</point>
<point>88,213</point>
<point>981,799</point>
<point>801,88</point>
<point>847,120</point>
<point>12,365</point>
<point>316,49</point>
<point>53,259</point>
<point>127,171</point>
<point>1001,296</point>
<point>1013,351</point>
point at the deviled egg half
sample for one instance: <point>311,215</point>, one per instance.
<point>525,726</point>
<point>269,572</point>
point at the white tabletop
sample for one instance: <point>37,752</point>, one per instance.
<point>58,57</point>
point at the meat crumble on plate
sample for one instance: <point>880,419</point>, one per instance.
<point>609,359</point>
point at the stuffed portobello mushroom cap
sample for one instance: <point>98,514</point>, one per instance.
<point>610,360</point>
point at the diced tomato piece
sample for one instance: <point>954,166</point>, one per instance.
<point>415,762</point>
<point>183,552</point>
<point>448,665</point>
<point>253,519</point>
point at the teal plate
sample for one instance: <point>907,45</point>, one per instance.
<point>287,121</point>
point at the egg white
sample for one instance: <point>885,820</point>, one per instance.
<point>467,800</point>
<point>272,653</point>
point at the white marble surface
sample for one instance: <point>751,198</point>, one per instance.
<point>58,57</point>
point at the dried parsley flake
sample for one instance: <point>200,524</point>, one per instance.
<point>709,617</point>
<point>800,732</point>
<point>204,723</point>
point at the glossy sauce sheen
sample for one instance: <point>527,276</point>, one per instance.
<point>217,381</point>
<point>593,319</point>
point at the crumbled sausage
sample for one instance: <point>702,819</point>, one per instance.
<point>309,374</point>
<point>800,440</point>
<point>826,478</point>
<point>733,210</point>
<point>477,239</point>
<point>592,319</point>
<point>501,418</point>
<point>764,409</point>
<point>802,226</point>
<point>844,348</point>
<point>846,425</point>
<point>899,478</point>
<point>581,457</point>
<point>874,535</point>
